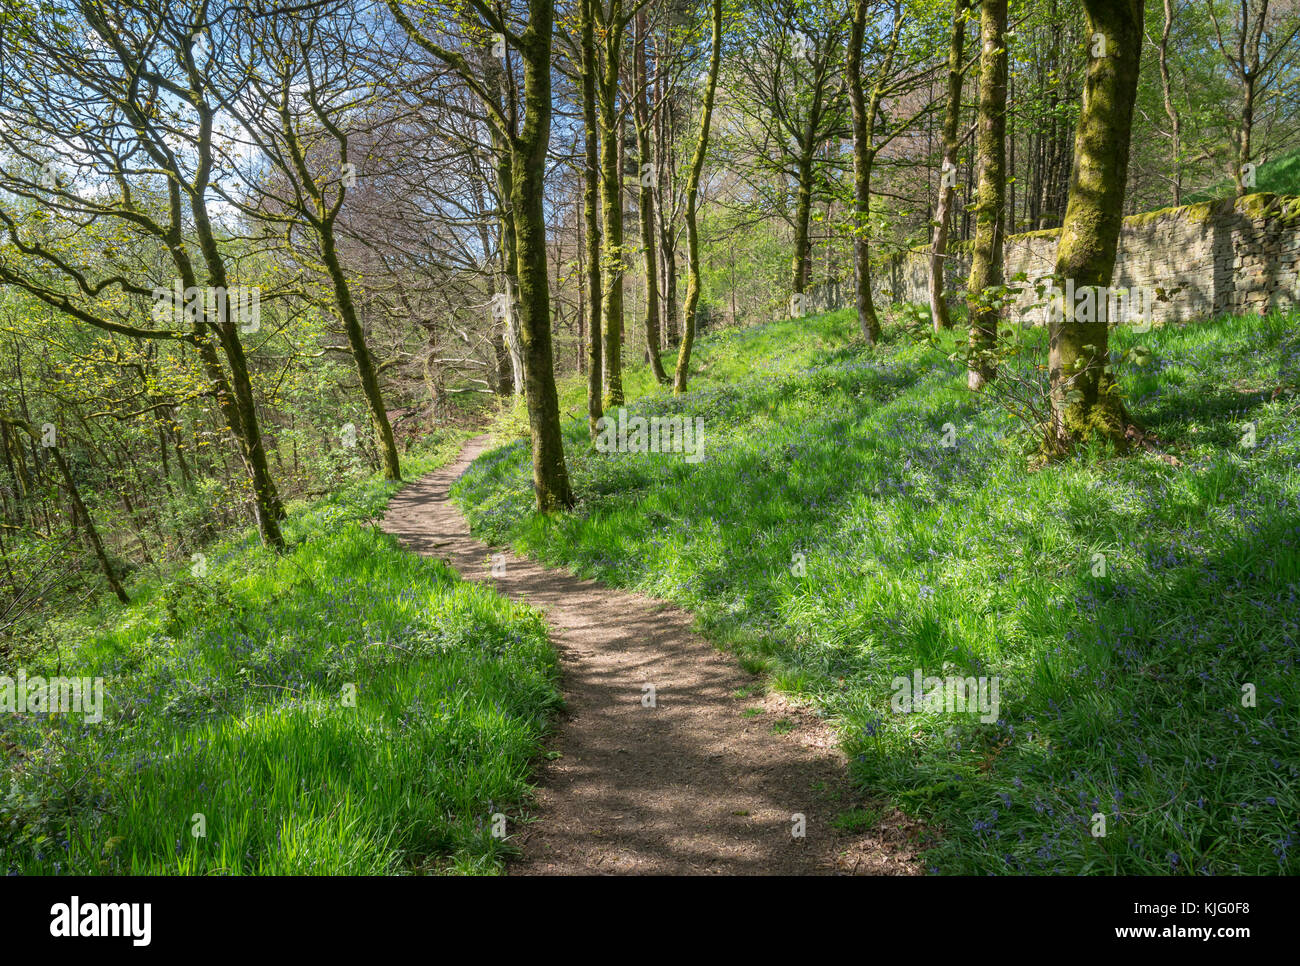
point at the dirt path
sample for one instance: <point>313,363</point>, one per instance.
<point>691,785</point>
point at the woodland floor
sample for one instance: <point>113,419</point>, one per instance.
<point>692,785</point>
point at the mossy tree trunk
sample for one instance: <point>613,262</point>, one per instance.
<point>801,261</point>
<point>550,475</point>
<point>983,302</point>
<point>321,213</point>
<point>1085,397</point>
<point>591,219</point>
<point>665,204</point>
<point>365,362</point>
<point>79,510</point>
<point>322,220</point>
<point>528,146</point>
<point>267,507</point>
<point>682,372</point>
<point>864,109</point>
<point>611,201</point>
<point>947,191</point>
<point>646,204</point>
<point>506,231</point>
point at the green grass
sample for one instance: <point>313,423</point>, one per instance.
<point>720,359</point>
<point>857,821</point>
<point>1120,694</point>
<point>228,710</point>
<point>1280,177</point>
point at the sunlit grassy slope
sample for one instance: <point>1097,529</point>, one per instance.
<point>1280,177</point>
<point>1127,606</point>
<point>346,708</point>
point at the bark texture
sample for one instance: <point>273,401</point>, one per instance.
<point>939,314</point>
<point>1085,397</point>
<point>982,298</point>
<point>681,374</point>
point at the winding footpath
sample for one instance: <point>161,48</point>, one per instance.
<point>674,780</point>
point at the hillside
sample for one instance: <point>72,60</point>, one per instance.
<point>1280,176</point>
<point>346,708</point>
<point>1124,605</point>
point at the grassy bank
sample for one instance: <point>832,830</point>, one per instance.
<point>833,541</point>
<point>344,708</point>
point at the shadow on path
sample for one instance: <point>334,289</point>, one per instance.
<point>688,786</point>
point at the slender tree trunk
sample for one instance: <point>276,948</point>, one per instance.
<point>509,256</point>
<point>983,300</point>
<point>581,351</point>
<point>1008,223</point>
<point>591,220</point>
<point>79,511</point>
<point>234,398</point>
<point>646,199</point>
<point>361,356</point>
<point>668,250</point>
<point>611,205</point>
<point>1167,90</point>
<point>528,154</point>
<point>506,375</point>
<point>92,534</point>
<point>947,184</point>
<point>1085,396</point>
<point>665,204</point>
<point>801,261</point>
<point>1244,136</point>
<point>267,508</point>
<point>322,222</point>
<point>864,113</point>
<point>692,192</point>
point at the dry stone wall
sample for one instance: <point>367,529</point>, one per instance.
<point>1235,255</point>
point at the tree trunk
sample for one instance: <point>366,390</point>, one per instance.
<point>947,185</point>
<point>591,220</point>
<point>528,155</point>
<point>509,256</point>
<point>646,206</point>
<point>361,356</point>
<point>1175,119</point>
<point>692,191</point>
<point>322,221</point>
<point>92,534</point>
<point>267,508</point>
<point>984,306</point>
<point>242,410</point>
<point>668,249</point>
<point>801,262</point>
<point>611,205</point>
<point>504,371</point>
<point>864,111</point>
<point>665,203</point>
<point>1244,135</point>
<point>1085,397</point>
<point>79,511</point>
